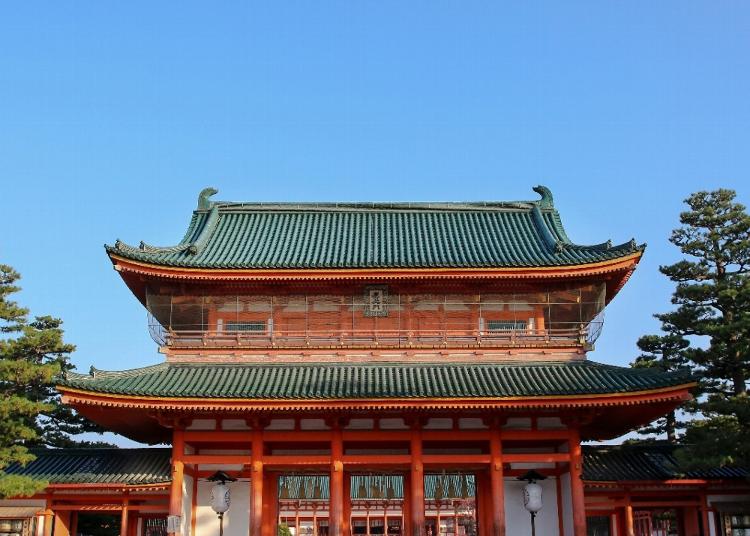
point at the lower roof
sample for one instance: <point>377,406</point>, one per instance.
<point>113,466</point>
<point>645,462</point>
<point>363,381</point>
<point>144,466</point>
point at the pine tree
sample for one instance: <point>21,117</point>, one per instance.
<point>712,295</point>
<point>32,353</point>
<point>665,353</point>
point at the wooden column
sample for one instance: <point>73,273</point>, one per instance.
<point>406,507</point>
<point>629,525</point>
<point>74,523</point>
<point>124,517</point>
<point>270,503</point>
<point>576,484</point>
<point>704,515</point>
<point>347,504</point>
<point>49,517</point>
<point>497,485</point>
<point>256,482</point>
<point>336,507</point>
<point>417,483</point>
<point>62,523</point>
<point>178,469</point>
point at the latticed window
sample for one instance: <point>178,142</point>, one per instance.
<point>506,325</point>
<point>257,326</point>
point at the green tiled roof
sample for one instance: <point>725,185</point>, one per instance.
<point>98,466</point>
<point>644,462</point>
<point>315,381</point>
<point>226,235</point>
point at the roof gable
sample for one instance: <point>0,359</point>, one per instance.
<point>227,235</point>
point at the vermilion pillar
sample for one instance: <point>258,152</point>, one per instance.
<point>348,504</point>
<point>256,483</point>
<point>576,484</point>
<point>49,517</point>
<point>124,517</point>
<point>178,469</point>
<point>417,484</point>
<point>62,523</point>
<point>336,522</point>
<point>629,524</point>
<point>497,485</point>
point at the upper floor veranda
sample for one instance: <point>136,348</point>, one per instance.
<point>379,316</point>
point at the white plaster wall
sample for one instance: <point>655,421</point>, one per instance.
<point>187,504</point>
<point>518,519</point>
<point>236,520</point>
<point>567,504</point>
<point>711,524</point>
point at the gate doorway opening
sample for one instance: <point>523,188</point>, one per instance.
<point>303,505</point>
<point>450,504</point>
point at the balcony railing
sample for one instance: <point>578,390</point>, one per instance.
<point>574,336</point>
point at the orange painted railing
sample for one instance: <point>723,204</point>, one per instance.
<point>574,336</point>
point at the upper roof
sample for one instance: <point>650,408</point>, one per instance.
<point>97,466</point>
<point>228,235</point>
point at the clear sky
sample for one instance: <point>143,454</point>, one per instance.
<point>114,115</point>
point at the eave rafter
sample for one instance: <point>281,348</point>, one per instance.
<point>624,265</point>
<point>77,397</point>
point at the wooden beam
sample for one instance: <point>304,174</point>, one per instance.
<point>532,457</point>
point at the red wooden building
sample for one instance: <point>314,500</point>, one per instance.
<point>377,369</point>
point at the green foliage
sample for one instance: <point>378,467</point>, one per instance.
<point>666,353</point>
<point>284,530</point>
<point>32,353</point>
<point>712,291</point>
<point>712,295</point>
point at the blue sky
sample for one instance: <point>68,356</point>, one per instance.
<point>113,116</point>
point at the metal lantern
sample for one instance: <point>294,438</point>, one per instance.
<point>532,495</point>
<point>220,496</point>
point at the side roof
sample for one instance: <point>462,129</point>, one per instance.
<point>246,236</point>
<point>639,462</point>
<point>126,467</point>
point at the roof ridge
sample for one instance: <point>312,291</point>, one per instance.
<point>95,373</point>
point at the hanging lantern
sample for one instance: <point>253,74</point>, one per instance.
<point>374,490</point>
<point>220,494</point>
<point>439,489</point>
<point>362,489</point>
<point>390,493</point>
<point>532,495</point>
<point>302,488</point>
<point>452,487</point>
<point>317,490</point>
<point>284,491</point>
<point>220,497</point>
<point>464,487</point>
